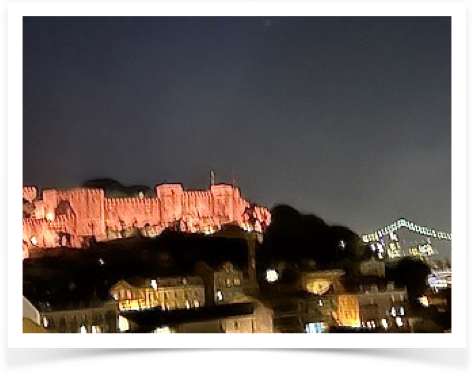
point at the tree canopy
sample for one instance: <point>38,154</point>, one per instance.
<point>293,237</point>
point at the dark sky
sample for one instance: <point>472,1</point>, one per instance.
<point>346,118</point>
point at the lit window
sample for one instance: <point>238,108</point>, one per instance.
<point>219,295</point>
<point>228,282</point>
<point>384,323</point>
<point>196,303</point>
<point>237,281</point>
<point>394,312</point>
<point>50,217</point>
<point>34,241</point>
<point>153,284</point>
<point>96,329</point>
<point>83,329</point>
<point>45,322</point>
<point>187,304</point>
<point>402,311</point>
<point>399,321</point>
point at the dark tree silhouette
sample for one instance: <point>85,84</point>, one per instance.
<point>294,237</point>
<point>411,273</point>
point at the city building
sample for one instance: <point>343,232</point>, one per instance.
<point>320,282</point>
<point>223,285</point>
<point>167,293</point>
<point>94,318</point>
<point>347,310</point>
<point>31,318</point>
<point>372,267</point>
<point>384,307</point>
<point>422,250</point>
<point>245,317</point>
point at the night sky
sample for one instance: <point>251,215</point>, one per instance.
<point>346,118</point>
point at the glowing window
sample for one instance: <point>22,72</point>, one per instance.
<point>96,329</point>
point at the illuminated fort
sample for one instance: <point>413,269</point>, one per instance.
<point>54,218</point>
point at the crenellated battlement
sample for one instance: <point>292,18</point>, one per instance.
<point>30,193</point>
<point>80,213</point>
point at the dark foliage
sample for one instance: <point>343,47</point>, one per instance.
<point>293,237</point>
<point>413,274</point>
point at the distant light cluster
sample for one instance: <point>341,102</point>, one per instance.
<point>403,223</point>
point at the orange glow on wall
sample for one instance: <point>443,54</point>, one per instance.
<point>348,310</point>
<point>69,217</point>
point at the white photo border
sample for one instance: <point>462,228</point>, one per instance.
<point>455,9</point>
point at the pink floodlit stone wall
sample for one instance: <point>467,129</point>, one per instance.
<point>73,216</point>
<point>30,193</point>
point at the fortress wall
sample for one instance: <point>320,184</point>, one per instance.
<point>223,200</point>
<point>129,212</point>
<point>39,230</point>
<point>30,193</point>
<point>197,204</point>
<point>87,205</point>
<point>171,198</point>
<point>90,213</point>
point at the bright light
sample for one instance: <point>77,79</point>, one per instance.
<point>164,329</point>
<point>402,311</point>
<point>34,241</point>
<point>424,301</point>
<point>384,323</point>
<point>154,284</point>
<point>272,275</point>
<point>50,217</point>
<point>315,327</point>
<point>45,322</point>
<point>399,321</point>
<point>101,261</point>
<point>219,295</point>
<point>123,324</point>
<point>83,329</point>
<point>394,312</point>
<point>96,329</point>
<point>342,244</point>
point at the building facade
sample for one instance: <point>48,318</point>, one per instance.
<point>95,319</point>
<point>168,293</point>
<point>223,285</point>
